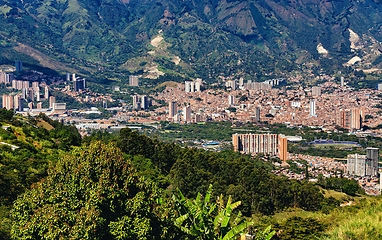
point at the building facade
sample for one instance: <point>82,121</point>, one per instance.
<point>271,144</point>
<point>187,114</point>
<point>231,100</point>
<point>316,91</point>
<point>79,84</point>
<point>363,165</point>
<point>145,102</point>
<point>7,102</point>
<point>6,77</point>
<point>133,81</point>
<point>18,66</point>
<point>18,103</point>
<point>52,100</point>
<point>312,109</point>
<point>59,106</point>
<point>172,109</point>
<point>350,118</point>
<point>257,115</point>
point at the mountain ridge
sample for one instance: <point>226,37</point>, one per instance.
<point>212,38</point>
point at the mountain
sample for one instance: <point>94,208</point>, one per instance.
<point>192,38</point>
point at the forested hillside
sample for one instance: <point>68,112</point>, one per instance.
<point>36,150</point>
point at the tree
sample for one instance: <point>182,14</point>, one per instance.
<point>92,193</point>
<point>300,228</point>
<point>6,114</point>
<point>351,187</point>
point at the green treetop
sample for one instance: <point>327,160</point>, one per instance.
<point>92,193</point>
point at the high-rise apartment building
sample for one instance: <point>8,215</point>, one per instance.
<point>283,147</point>
<point>19,84</point>
<point>30,94</point>
<point>6,77</point>
<point>257,115</point>
<point>52,100</point>
<point>231,84</point>
<point>187,114</point>
<point>198,84</point>
<point>316,91</point>
<point>24,93</point>
<point>241,82</point>
<point>18,103</point>
<point>7,102</point>
<point>189,86</point>
<point>363,165</point>
<point>198,117</point>
<point>46,92</point>
<point>172,109</point>
<point>38,96</point>
<point>133,81</point>
<point>356,164</point>
<point>312,109</point>
<point>343,118</point>
<point>257,86</point>
<point>355,119</point>
<point>79,84</point>
<point>349,119</point>
<point>135,102</point>
<point>145,102</point>
<point>19,65</point>
<point>25,84</point>
<point>35,86</point>
<point>197,87</point>
<point>271,144</point>
<point>372,156</point>
<point>231,100</point>
<point>342,81</point>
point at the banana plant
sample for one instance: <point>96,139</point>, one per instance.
<point>203,219</point>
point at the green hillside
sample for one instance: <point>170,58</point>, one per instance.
<point>27,152</point>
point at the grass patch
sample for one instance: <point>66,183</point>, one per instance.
<point>363,221</point>
<point>342,197</point>
<point>168,84</point>
<point>42,123</point>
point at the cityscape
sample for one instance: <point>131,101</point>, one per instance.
<point>191,120</point>
<point>329,107</point>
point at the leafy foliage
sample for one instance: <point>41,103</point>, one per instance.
<point>92,193</point>
<point>299,228</point>
<point>5,114</point>
<point>348,186</point>
<point>202,219</point>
